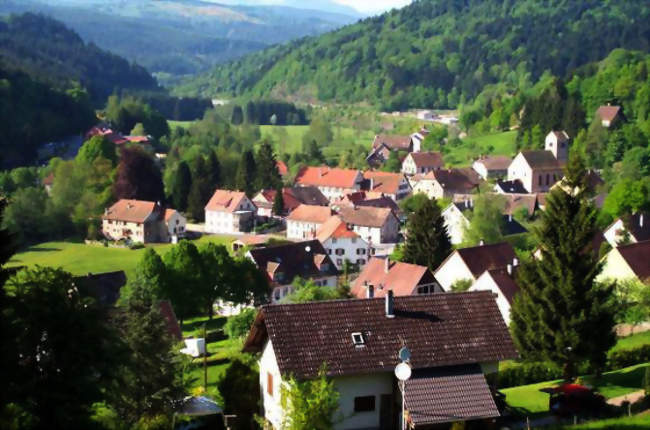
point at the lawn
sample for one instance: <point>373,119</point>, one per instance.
<point>181,124</point>
<point>626,423</point>
<point>633,341</point>
<point>528,400</point>
<point>472,147</point>
<point>79,258</point>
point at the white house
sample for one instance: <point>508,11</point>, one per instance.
<point>342,244</point>
<point>502,283</point>
<point>628,262</point>
<point>359,340</point>
<point>229,212</point>
<point>495,166</point>
<point>422,162</point>
<point>374,224</point>
<point>305,220</point>
<point>334,183</point>
<point>136,220</point>
<point>382,275</point>
<point>282,264</point>
<point>609,115</point>
<point>446,182</point>
<point>176,224</point>
<point>635,228</point>
<point>470,263</point>
<point>457,221</point>
<point>539,170</point>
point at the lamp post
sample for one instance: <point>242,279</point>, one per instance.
<point>403,373</point>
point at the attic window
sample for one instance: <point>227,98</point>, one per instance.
<point>357,339</point>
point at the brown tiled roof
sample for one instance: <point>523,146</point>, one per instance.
<point>432,160</point>
<point>402,278</point>
<point>324,176</point>
<point>130,211</point>
<point>400,143</point>
<point>540,159</point>
<point>512,187</point>
<point>167,312</point>
<point>495,162</point>
<point>448,394</point>
<point>561,135</point>
<point>455,180</point>
<point>383,182</point>
<point>634,225</point>
<point>225,201</point>
<point>608,113</point>
<point>309,213</point>
<point>381,202</point>
<point>637,256</point>
<point>366,216</point>
<point>514,202</point>
<point>505,282</point>
<point>336,228</point>
<point>309,196</point>
<point>295,259</point>
<point>481,258</point>
<point>292,198</point>
<point>439,329</point>
<point>104,287</point>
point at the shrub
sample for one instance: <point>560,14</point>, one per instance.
<point>239,325</point>
<point>528,373</point>
<point>136,245</point>
<point>628,357</point>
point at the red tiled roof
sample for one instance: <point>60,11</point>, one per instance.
<point>441,395</point>
<point>383,182</point>
<point>336,228</point>
<point>282,167</point>
<point>481,258</point>
<point>637,256</point>
<point>439,329</point>
<point>225,201</point>
<point>402,278</point>
<point>169,213</point>
<point>137,139</point>
<point>130,211</point>
<point>324,176</point>
<point>432,160</point>
<point>608,113</point>
<point>310,213</point>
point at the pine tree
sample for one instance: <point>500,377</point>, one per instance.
<point>268,175</point>
<point>246,173</point>
<point>278,202</point>
<point>181,187</point>
<point>201,191</point>
<point>561,314</point>
<point>237,115</point>
<point>213,171</point>
<point>427,241</point>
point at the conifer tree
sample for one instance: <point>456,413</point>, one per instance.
<point>278,202</point>
<point>200,191</point>
<point>213,171</point>
<point>237,115</point>
<point>427,241</point>
<point>561,313</point>
<point>181,187</point>
<point>268,175</point>
<point>246,172</point>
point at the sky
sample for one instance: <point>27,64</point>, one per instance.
<point>372,6</point>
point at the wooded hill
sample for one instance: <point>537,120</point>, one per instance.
<point>436,53</point>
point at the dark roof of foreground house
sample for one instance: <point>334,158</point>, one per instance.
<point>449,394</point>
<point>440,330</point>
<point>637,226</point>
<point>304,259</point>
<point>104,287</point>
<point>484,257</point>
<point>637,256</point>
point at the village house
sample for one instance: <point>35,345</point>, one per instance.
<point>493,166</point>
<point>392,185</point>
<point>609,115</point>
<point>470,263</point>
<point>343,244</point>
<point>455,340</point>
<point>628,262</point>
<point>422,162</point>
<point>446,182</point>
<point>292,198</point>
<point>418,137</point>
<point>628,229</point>
<point>539,170</point>
<point>229,212</point>
<point>282,264</point>
<point>457,221</point>
<point>502,283</point>
<point>141,222</point>
<point>176,224</point>
<point>510,187</point>
<point>304,221</point>
<point>381,275</point>
<point>375,225</point>
<point>384,144</point>
<point>334,183</point>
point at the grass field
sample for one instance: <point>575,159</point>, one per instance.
<point>473,147</point>
<point>181,124</point>
<point>79,258</point>
<point>626,423</point>
<point>528,400</point>
<point>633,341</point>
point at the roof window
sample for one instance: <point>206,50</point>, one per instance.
<point>358,340</point>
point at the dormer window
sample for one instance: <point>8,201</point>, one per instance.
<point>358,340</point>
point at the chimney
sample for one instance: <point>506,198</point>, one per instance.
<point>481,243</point>
<point>467,204</point>
<point>370,293</point>
<point>509,217</point>
<point>389,304</point>
<point>509,268</point>
<point>386,265</point>
<point>515,262</point>
<point>640,220</point>
<point>372,184</point>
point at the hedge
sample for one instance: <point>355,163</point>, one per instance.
<point>628,357</point>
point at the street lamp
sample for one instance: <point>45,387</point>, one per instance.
<point>403,373</point>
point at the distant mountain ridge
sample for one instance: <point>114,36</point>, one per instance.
<point>436,53</point>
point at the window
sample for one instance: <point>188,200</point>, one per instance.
<point>339,262</point>
<point>357,339</point>
<point>269,384</point>
<point>329,251</point>
<point>540,180</point>
<point>361,251</point>
<point>333,240</point>
<point>354,240</point>
<point>361,262</point>
<point>340,251</point>
<point>364,404</point>
<point>548,179</point>
<point>423,290</point>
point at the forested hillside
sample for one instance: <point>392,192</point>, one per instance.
<point>437,53</point>
<point>50,52</point>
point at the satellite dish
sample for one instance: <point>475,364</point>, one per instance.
<point>308,248</point>
<point>403,371</point>
<point>404,354</point>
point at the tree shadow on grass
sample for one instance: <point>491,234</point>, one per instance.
<point>41,249</point>
<point>210,325</point>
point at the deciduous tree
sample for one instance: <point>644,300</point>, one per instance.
<point>138,177</point>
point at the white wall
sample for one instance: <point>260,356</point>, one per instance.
<point>612,236</point>
<point>219,222</point>
<point>456,223</point>
<point>353,249</point>
<point>616,268</point>
<point>480,168</point>
<point>177,222</point>
<point>486,283</point>
<point>271,402</point>
<point>519,169</point>
<point>452,270</point>
<point>302,229</point>
<point>350,387</point>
